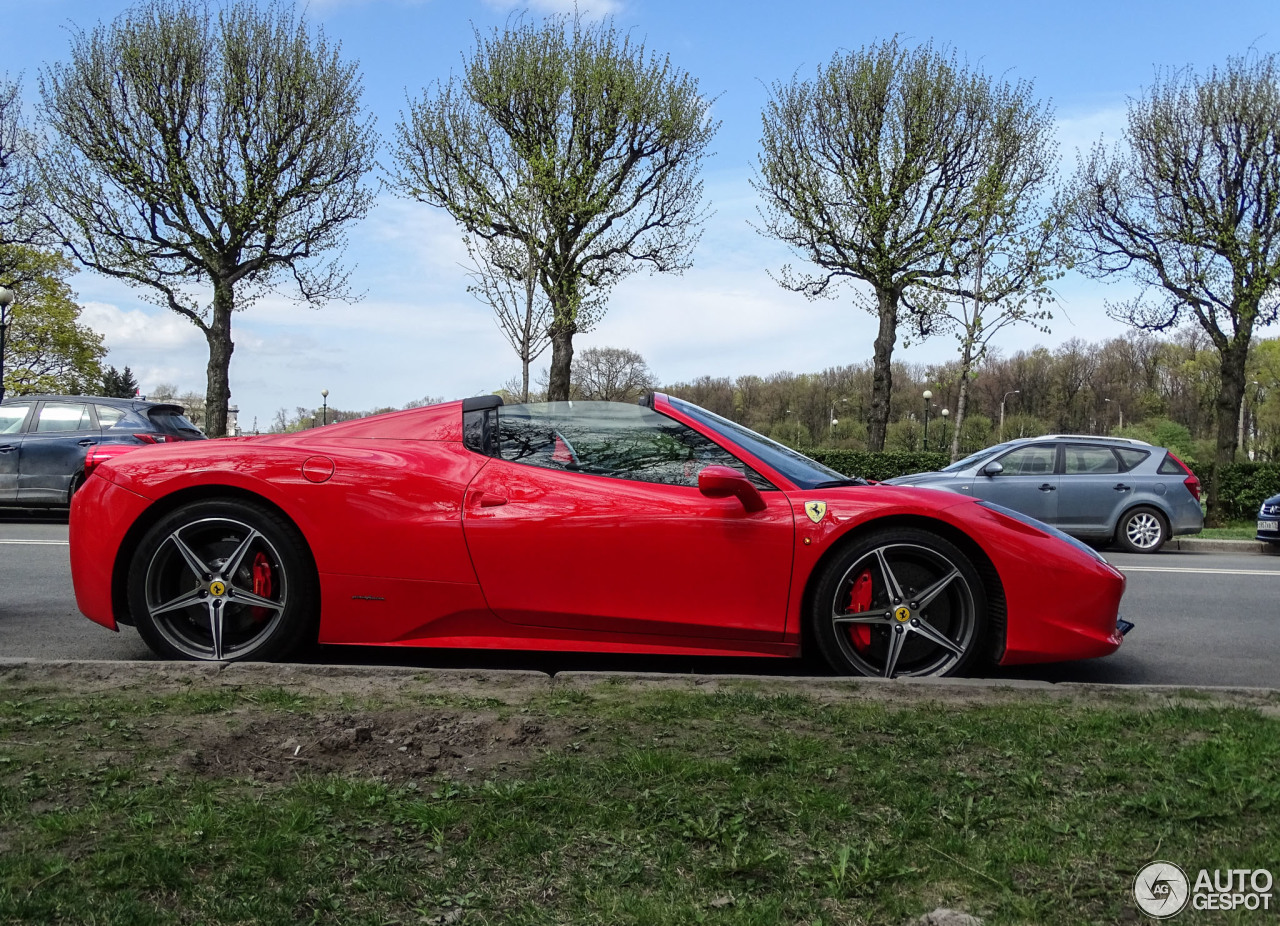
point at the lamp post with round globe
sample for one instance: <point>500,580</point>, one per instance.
<point>927,396</point>
<point>324,412</point>
<point>945,414</point>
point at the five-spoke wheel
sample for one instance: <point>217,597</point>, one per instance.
<point>1142,530</point>
<point>901,602</point>
<point>222,580</point>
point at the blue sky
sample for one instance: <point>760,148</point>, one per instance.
<point>417,332</point>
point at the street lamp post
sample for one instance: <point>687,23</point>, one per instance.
<point>1002,401</point>
<point>324,398</point>
<point>945,414</point>
<point>6,300</point>
<point>927,396</point>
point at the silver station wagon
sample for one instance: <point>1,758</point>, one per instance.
<point>1095,488</point>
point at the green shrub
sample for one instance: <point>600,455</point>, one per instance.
<point>879,466</point>
<point>1242,487</point>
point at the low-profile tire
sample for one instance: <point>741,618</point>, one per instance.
<point>223,581</point>
<point>900,602</point>
<point>1141,530</point>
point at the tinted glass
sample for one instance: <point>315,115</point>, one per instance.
<point>58,416</point>
<point>1080,458</point>
<point>1171,467</point>
<point>1036,460</point>
<point>795,466</point>
<point>607,439</point>
<point>171,422</point>
<point>1130,458</point>
<point>108,415</point>
<point>11,418</point>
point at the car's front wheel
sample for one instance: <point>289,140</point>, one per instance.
<point>900,602</point>
<point>223,581</point>
<point>1142,530</point>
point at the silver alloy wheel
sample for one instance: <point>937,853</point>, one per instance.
<point>921,619</point>
<point>200,589</point>
<point>1143,530</point>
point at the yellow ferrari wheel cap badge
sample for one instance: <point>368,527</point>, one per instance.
<point>902,615</point>
<point>815,510</point>
<point>217,589</point>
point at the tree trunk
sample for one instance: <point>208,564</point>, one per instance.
<point>561,363</point>
<point>962,401</point>
<point>881,374</point>
<point>1227,411</point>
<point>218,334</point>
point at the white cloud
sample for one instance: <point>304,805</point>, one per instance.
<point>138,330</point>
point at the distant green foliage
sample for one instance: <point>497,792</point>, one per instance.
<point>879,466</point>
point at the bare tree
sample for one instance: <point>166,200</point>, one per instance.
<point>198,151</point>
<point>604,137</point>
<point>1011,249</point>
<point>871,170</point>
<point>611,374</point>
<point>1188,207</point>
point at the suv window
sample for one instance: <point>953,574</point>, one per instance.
<point>108,415</point>
<point>1171,467</point>
<point>64,416</point>
<point>1081,458</point>
<point>1129,458</point>
<point>11,418</point>
<point>1036,460</point>
<point>171,422</point>
<point>607,439</point>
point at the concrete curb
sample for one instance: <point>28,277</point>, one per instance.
<point>1206,545</point>
<point>280,673</point>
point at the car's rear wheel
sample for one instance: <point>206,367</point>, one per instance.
<point>223,581</point>
<point>900,602</point>
<point>1142,530</point>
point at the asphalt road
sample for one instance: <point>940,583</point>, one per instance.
<point>1202,619</point>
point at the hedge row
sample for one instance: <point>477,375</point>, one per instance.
<point>1242,487</point>
<point>878,466</point>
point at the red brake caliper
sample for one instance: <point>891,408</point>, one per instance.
<point>859,601</point>
<point>261,585</point>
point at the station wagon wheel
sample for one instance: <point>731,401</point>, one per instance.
<point>900,603</point>
<point>1142,530</point>
<point>222,581</point>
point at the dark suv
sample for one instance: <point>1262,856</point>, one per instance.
<point>1096,488</point>
<point>44,438</point>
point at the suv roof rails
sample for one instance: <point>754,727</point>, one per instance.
<point>1118,440</point>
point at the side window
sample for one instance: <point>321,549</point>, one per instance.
<point>1171,467</point>
<point>608,439</point>
<point>1036,460</point>
<point>1083,459</point>
<point>12,416</point>
<point>1129,458</point>
<point>108,415</point>
<point>59,416</point>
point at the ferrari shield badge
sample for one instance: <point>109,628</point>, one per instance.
<point>815,510</point>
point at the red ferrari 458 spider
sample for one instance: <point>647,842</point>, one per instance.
<point>597,526</point>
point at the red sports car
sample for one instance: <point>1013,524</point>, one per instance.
<point>596,526</point>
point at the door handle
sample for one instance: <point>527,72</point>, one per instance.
<point>7,447</point>
<point>491,501</point>
<point>1121,487</point>
<point>1048,488</point>
<point>86,442</point>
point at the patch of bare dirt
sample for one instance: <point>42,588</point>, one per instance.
<point>392,745</point>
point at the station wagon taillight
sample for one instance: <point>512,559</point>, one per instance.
<point>1192,482</point>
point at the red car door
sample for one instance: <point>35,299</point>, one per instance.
<point>555,545</point>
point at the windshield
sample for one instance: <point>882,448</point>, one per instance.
<point>804,472</point>
<point>975,459</point>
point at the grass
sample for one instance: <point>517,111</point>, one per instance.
<point>659,807</point>
<point>1236,530</point>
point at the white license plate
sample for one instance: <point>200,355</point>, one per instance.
<point>1268,526</point>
